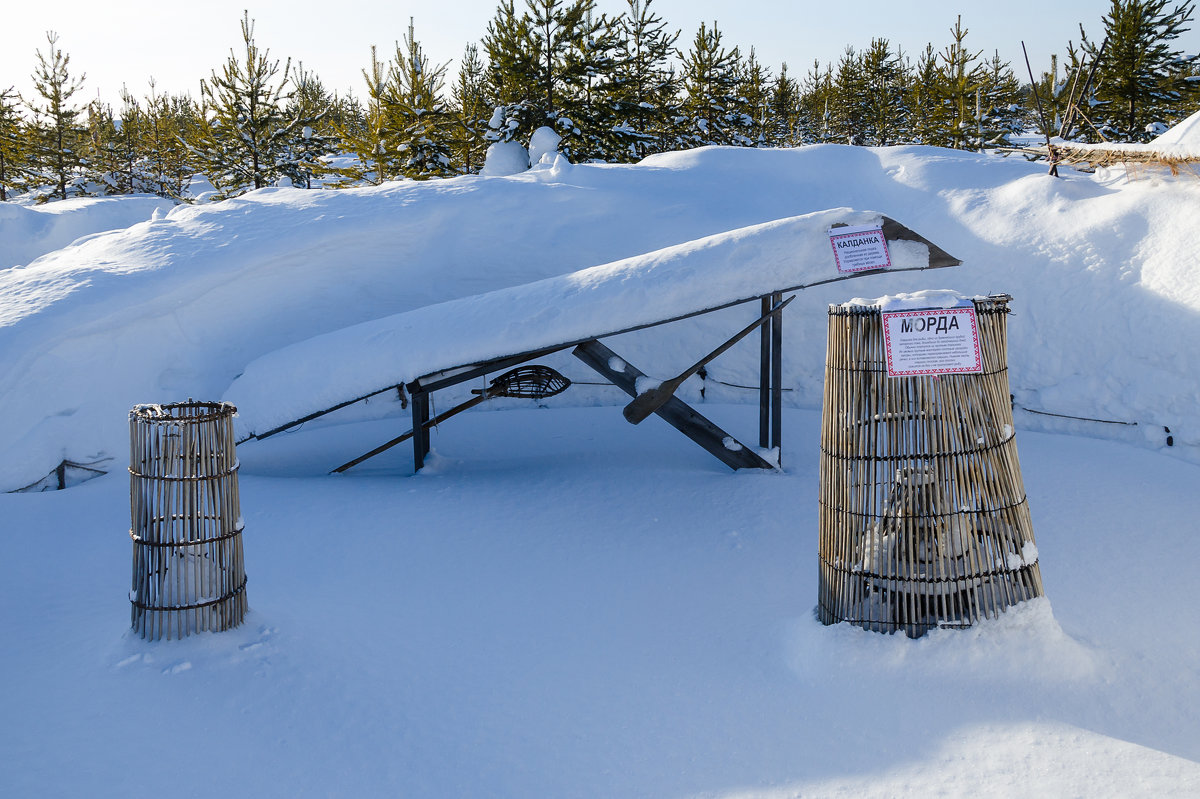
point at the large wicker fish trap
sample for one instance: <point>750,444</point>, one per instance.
<point>188,571</point>
<point>924,521</point>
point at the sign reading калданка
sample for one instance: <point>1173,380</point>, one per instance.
<point>935,341</point>
<point>858,249</point>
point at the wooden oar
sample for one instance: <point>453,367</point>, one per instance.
<point>652,399</point>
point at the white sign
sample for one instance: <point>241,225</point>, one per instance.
<point>938,341</point>
<point>858,249</point>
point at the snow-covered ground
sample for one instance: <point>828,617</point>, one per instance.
<point>562,604</point>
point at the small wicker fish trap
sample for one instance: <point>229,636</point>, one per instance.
<point>924,521</point>
<point>188,572</point>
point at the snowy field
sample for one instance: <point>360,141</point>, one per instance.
<point>562,604</point>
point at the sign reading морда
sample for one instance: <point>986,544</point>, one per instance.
<point>932,342</point>
<point>858,249</point>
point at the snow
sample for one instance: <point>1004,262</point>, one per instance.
<point>543,144</point>
<point>560,603</point>
<point>1185,134</point>
<point>27,232</point>
<point>505,158</point>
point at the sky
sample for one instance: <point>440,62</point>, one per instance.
<point>128,42</point>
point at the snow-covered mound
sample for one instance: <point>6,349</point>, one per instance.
<point>1184,135</point>
<point>1107,297</point>
<point>27,232</point>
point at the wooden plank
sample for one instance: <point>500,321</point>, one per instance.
<point>674,412</point>
<point>420,417</point>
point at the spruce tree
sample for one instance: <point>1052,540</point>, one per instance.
<point>418,114</point>
<point>1143,77</point>
<point>14,150</point>
<point>646,86</point>
<point>245,138</point>
<point>102,160</point>
<point>58,130</point>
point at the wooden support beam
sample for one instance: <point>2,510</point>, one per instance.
<point>420,417</point>
<point>675,411</point>
<point>764,379</point>
<point>777,378</point>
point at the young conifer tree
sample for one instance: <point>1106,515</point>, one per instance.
<point>14,150</point>
<point>753,101</point>
<point>785,110</point>
<point>960,76</point>
<point>646,88</point>
<point>1143,77</point>
<point>169,123</point>
<point>471,112</point>
<point>311,105</point>
<point>58,133</point>
<point>512,75</point>
<point>586,115</point>
<point>884,84</point>
<point>710,82</point>
<point>245,138</point>
<point>419,115</point>
<point>372,138</point>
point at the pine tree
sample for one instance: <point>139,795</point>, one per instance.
<point>471,112</point>
<point>512,75</point>
<point>418,114</point>
<point>753,100</point>
<point>785,110</point>
<point>586,116</point>
<point>847,107</point>
<point>170,122</point>
<point>646,87</point>
<point>1142,76</point>
<point>312,106</point>
<point>960,76</point>
<point>372,138</point>
<point>884,83</point>
<point>14,151</point>
<point>245,138</point>
<point>102,161</point>
<point>58,133</point>
<point>710,105</point>
<point>1001,95</point>
<point>815,96</point>
<point>926,112</point>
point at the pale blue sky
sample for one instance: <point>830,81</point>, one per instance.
<point>130,41</point>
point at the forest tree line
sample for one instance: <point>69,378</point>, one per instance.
<point>615,88</point>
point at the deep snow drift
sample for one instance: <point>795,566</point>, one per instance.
<point>562,604</point>
<point>1103,271</point>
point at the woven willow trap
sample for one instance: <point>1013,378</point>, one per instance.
<point>188,572</point>
<point>923,518</point>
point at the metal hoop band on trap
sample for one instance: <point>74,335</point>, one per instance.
<point>188,570</point>
<point>924,521</point>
